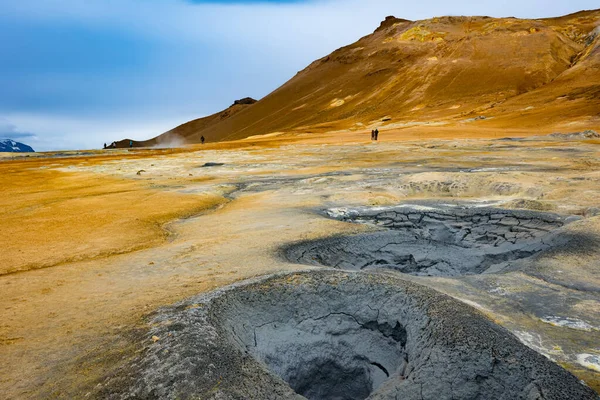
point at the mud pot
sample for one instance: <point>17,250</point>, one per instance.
<point>335,335</point>
<point>432,241</point>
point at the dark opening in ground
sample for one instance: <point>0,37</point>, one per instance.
<point>335,335</point>
<point>428,241</point>
<point>357,336</point>
<point>333,356</point>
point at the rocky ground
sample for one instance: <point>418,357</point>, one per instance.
<point>105,239</point>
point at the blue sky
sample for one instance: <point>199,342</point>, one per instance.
<point>77,73</point>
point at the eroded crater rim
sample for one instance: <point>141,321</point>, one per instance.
<point>432,240</point>
<point>333,334</point>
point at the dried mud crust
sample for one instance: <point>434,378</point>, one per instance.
<point>335,335</point>
<point>432,241</point>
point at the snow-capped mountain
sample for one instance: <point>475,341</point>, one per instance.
<point>8,145</point>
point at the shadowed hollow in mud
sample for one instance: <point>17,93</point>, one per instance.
<point>422,240</point>
<point>336,335</point>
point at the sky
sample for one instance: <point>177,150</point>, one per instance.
<point>75,74</point>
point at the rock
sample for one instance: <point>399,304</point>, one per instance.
<point>573,218</point>
<point>390,21</point>
<point>590,361</point>
<point>478,118</point>
<point>245,100</point>
<point>592,36</point>
<point>592,212</point>
<point>212,164</point>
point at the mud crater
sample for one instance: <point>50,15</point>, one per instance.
<point>428,241</point>
<point>335,335</point>
<point>331,356</point>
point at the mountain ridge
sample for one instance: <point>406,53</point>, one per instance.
<point>448,69</point>
<point>12,146</point>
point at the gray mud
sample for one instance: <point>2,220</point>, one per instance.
<point>428,241</point>
<point>335,335</point>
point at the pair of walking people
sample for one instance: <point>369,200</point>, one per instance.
<point>375,134</point>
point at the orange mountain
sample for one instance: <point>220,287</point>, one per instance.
<point>537,73</point>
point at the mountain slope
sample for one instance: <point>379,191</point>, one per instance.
<point>570,100</point>
<point>447,69</point>
<point>10,146</point>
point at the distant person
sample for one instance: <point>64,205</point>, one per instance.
<point>202,139</point>
<point>376,133</point>
<point>372,134</point>
<point>131,143</point>
<point>104,145</point>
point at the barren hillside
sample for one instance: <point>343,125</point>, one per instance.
<point>448,70</point>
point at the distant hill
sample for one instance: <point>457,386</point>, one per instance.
<point>192,131</point>
<point>10,146</point>
<point>516,72</point>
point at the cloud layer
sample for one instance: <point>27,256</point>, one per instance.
<point>10,131</point>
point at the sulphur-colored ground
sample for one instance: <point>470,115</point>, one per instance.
<point>94,242</point>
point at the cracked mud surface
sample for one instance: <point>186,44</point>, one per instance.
<point>335,335</point>
<point>431,241</point>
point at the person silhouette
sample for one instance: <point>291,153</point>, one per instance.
<point>202,139</point>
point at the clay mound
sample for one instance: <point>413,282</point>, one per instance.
<point>334,335</point>
<point>523,72</point>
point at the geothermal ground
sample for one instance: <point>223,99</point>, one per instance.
<point>414,266</point>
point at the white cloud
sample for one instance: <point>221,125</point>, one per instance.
<point>10,131</point>
<point>58,132</point>
<point>313,27</point>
